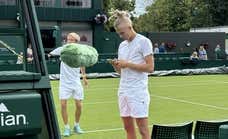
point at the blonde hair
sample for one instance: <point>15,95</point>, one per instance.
<point>75,36</point>
<point>120,17</point>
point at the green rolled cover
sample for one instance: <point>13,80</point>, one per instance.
<point>79,55</point>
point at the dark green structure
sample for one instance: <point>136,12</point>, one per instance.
<point>56,19</point>
<point>223,131</point>
<point>26,103</point>
<point>59,17</point>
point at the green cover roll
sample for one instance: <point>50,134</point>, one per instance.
<point>79,55</point>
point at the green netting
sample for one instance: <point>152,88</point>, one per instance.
<point>207,130</point>
<point>79,55</point>
<point>172,132</point>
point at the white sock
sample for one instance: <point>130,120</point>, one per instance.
<point>76,124</point>
<point>67,126</point>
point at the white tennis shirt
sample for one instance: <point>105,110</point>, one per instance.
<point>134,51</point>
<point>68,76</point>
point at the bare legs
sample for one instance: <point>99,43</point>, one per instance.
<point>129,127</point>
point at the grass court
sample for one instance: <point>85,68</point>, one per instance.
<point>174,99</point>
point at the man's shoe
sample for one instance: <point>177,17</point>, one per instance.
<point>66,132</point>
<point>78,130</point>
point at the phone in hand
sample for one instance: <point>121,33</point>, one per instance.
<point>110,61</point>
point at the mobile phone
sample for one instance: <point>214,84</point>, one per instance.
<point>109,61</point>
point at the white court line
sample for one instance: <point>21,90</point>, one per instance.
<point>164,97</point>
<point>170,85</point>
<point>104,130</point>
<point>107,130</point>
<point>161,97</point>
<point>101,102</point>
<point>167,98</point>
<point>101,130</point>
<point>190,102</point>
<point>91,103</point>
<point>187,84</point>
<point>151,83</point>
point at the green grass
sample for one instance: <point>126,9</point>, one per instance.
<point>174,99</point>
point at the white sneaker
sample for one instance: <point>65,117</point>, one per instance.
<point>78,130</point>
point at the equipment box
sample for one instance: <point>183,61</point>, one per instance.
<point>20,114</point>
